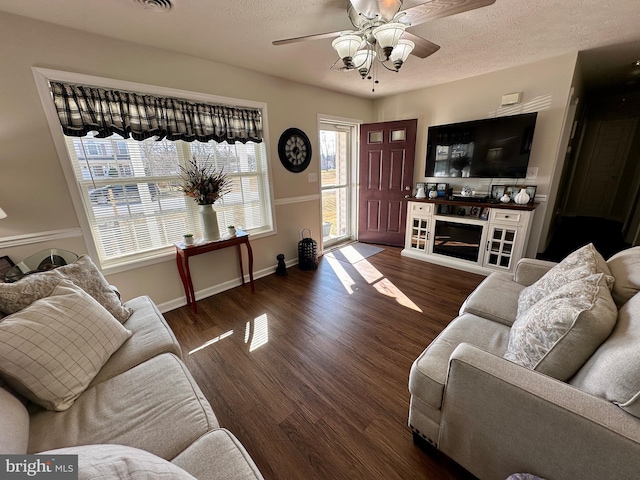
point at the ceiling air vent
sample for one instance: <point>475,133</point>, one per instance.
<point>155,5</point>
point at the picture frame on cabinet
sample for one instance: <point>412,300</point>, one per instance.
<point>441,188</point>
<point>484,213</point>
<point>475,212</point>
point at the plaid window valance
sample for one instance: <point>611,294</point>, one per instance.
<point>83,109</point>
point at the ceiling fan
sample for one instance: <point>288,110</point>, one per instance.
<point>381,32</point>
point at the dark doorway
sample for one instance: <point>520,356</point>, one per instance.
<point>575,232</point>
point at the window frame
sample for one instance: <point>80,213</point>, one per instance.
<point>42,76</point>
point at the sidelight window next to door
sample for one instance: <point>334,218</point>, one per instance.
<point>336,157</point>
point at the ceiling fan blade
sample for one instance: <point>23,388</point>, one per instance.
<point>423,47</point>
<point>319,36</point>
<point>439,9</point>
<point>370,9</point>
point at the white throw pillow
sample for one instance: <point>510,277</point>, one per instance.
<point>51,350</point>
<point>560,332</point>
<point>583,262</point>
<point>120,462</point>
<point>83,273</point>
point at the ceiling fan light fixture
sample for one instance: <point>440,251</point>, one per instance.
<point>401,51</point>
<point>387,36</point>
<point>346,46</point>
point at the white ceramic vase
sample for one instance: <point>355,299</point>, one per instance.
<point>522,198</point>
<point>421,193</point>
<point>505,198</point>
<point>433,194</point>
<point>209,220</point>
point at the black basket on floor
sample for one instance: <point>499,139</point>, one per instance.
<point>307,252</point>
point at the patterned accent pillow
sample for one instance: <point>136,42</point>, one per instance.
<point>583,262</point>
<point>83,273</point>
<point>121,462</point>
<point>559,333</point>
<point>51,350</point>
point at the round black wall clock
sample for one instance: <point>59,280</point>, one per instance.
<point>294,150</point>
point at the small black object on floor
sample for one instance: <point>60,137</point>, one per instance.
<point>575,232</point>
<point>281,269</point>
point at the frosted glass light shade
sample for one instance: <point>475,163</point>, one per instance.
<point>401,52</point>
<point>2,214</point>
<point>346,45</point>
<point>363,59</point>
<point>387,35</point>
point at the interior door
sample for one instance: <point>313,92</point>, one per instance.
<point>612,141</point>
<point>387,156</point>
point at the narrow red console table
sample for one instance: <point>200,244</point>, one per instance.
<point>183,252</point>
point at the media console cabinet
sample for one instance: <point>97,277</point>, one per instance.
<point>468,235</point>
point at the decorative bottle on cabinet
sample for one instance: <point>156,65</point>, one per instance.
<point>522,198</point>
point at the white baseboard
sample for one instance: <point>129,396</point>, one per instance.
<point>222,287</point>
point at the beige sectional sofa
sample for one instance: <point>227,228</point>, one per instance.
<point>143,399</point>
<point>573,412</point>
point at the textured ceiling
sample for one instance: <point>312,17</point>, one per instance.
<point>240,32</point>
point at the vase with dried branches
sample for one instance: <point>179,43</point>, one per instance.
<point>205,184</point>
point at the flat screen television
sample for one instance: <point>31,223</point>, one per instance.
<point>490,148</point>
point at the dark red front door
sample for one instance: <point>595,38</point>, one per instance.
<point>387,155</point>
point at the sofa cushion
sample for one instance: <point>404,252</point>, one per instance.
<point>150,336</point>
<point>120,462</point>
<point>14,434</point>
<point>155,406</point>
<point>613,371</point>
<point>560,332</point>
<point>429,372</point>
<point>583,262</point>
<point>83,273</point>
<point>625,267</point>
<point>230,462</point>
<point>51,350</point>
<point>496,298</point>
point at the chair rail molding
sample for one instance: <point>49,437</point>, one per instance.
<point>38,237</point>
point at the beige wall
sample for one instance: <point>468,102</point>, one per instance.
<point>33,190</point>
<point>545,87</point>
<point>34,193</point>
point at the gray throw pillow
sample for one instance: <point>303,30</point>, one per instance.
<point>613,371</point>
<point>83,273</point>
<point>561,331</point>
<point>625,267</point>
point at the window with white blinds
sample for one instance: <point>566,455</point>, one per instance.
<point>132,197</point>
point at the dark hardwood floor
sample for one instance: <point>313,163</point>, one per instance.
<point>311,371</point>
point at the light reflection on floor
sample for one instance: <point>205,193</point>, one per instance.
<point>260,332</point>
<point>370,274</point>
<point>256,334</point>
<point>211,342</point>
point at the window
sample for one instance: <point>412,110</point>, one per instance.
<point>129,181</point>
<point>134,203</point>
